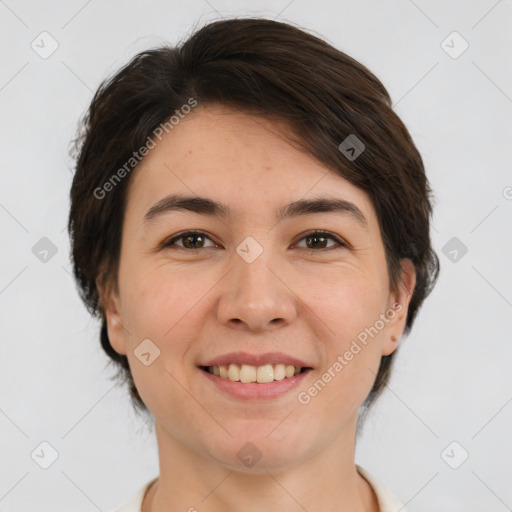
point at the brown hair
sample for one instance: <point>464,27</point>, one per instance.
<point>267,68</point>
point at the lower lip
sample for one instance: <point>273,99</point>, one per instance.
<point>255,390</point>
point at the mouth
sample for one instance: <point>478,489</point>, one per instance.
<point>258,377</point>
<point>247,374</point>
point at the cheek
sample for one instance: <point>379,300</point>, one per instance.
<point>154,302</point>
<point>347,304</point>
<point>348,308</point>
<point>166,308</point>
<point>161,310</point>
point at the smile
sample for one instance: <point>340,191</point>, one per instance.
<point>251,388</point>
<point>247,373</point>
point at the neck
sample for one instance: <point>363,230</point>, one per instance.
<point>327,481</point>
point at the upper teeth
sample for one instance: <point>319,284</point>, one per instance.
<point>249,373</point>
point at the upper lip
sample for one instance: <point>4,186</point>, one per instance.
<point>256,359</point>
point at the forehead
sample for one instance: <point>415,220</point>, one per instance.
<point>244,161</point>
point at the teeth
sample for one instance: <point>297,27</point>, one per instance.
<point>248,373</point>
<point>265,373</point>
<point>290,371</point>
<point>234,372</point>
<point>279,372</point>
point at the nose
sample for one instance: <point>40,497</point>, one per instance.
<point>256,296</point>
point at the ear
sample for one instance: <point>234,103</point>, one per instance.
<point>398,306</point>
<point>111,305</point>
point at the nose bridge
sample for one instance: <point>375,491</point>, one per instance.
<point>254,294</point>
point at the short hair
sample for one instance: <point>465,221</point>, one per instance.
<point>270,69</point>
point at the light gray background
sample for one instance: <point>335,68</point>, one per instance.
<point>452,380</point>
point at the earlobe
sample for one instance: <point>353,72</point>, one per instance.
<point>390,344</point>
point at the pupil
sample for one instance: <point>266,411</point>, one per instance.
<point>191,237</point>
<point>310,237</point>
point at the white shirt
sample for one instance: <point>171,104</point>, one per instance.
<point>387,501</point>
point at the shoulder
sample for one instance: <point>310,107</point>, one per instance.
<point>135,502</point>
<point>388,502</point>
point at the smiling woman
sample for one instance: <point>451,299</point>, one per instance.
<point>257,269</point>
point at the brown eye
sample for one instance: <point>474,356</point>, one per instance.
<point>190,240</point>
<point>317,240</point>
<point>194,240</point>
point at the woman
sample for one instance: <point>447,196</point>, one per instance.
<point>250,219</point>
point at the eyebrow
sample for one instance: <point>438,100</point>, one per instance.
<point>206,206</point>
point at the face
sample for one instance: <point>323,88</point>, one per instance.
<point>254,287</point>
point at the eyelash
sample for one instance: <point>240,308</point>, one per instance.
<point>324,234</point>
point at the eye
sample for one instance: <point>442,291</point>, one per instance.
<point>193,239</point>
<point>190,240</point>
<point>318,240</point>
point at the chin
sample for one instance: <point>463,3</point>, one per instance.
<point>258,454</point>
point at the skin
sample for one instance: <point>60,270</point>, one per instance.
<point>196,305</point>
